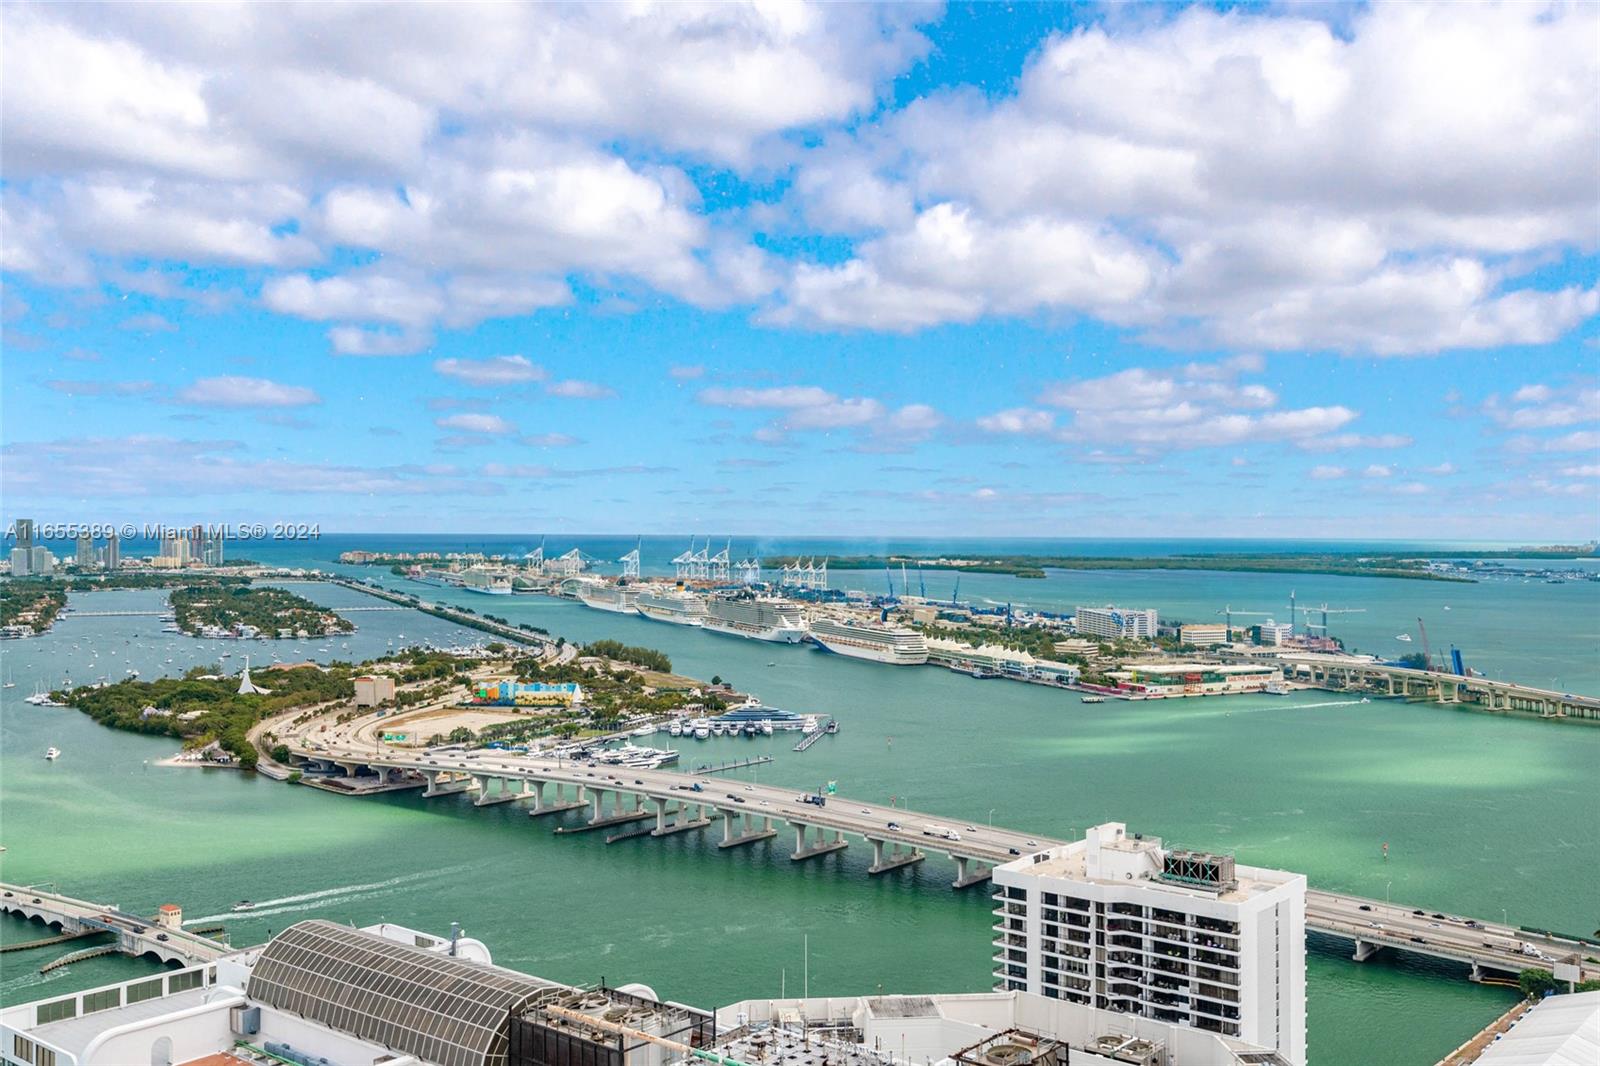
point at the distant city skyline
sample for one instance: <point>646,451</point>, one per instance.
<point>844,271</point>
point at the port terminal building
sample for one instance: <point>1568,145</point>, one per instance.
<point>323,994</point>
<point>995,660</point>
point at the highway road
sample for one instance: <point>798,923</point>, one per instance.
<point>1370,923</point>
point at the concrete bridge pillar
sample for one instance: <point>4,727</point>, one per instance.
<point>970,872</point>
<point>1365,949</point>
<point>822,847</point>
<point>887,856</point>
<point>746,833</point>
<point>598,798</point>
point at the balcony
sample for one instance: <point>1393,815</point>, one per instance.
<point>1216,1010</point>
<point>1212,958</point>
<point>1225,995</point>
<point>1218,977</point>
<point>1216,925</point>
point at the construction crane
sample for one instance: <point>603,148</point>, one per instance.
<point>1228,613</point>
<point>1427,653</point>
<point>1325,611</point>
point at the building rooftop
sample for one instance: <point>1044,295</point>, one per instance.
<point>441,1009</point>
<point>75,1034</point>
<point>1557,1031</point>
<point>1108,855</point>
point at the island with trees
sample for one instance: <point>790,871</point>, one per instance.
<point>30,606</point>
<point>1347,564</point>
<point>241,609</point>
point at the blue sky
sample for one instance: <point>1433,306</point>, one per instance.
<point>1031,270</point>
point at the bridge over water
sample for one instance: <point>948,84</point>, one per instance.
<point>655,803</point>
<point>135,935</point>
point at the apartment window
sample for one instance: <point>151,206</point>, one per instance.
<point>104,999</point>
<point>46,1057</point>
<point>21,1047</point>
<point>56,1010</point>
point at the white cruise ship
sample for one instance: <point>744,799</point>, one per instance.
<point>489,582</point>
<point>676,606</point>
<point>880,644</point>
<point>756,618</point>
<point>604,596</point>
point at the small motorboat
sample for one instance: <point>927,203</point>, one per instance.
<point>52,753</point>
<point>244,905</point>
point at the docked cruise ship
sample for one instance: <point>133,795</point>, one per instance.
<point>676,606</point>
<point>489,582</point>
<point>757,618</point>
<point>604,596</point>
<point>880,644</point>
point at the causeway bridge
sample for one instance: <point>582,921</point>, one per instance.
<point>1353,673</point>
<point>628,803</point>
<point>134,935</point>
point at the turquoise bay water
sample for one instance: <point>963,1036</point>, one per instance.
<point>1481,813</point>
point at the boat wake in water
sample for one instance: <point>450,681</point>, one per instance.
<point>306,901</point>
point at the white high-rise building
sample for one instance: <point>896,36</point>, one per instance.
<point>1115,622</point>
<point>1120,923</point>
<point>1275,633</point>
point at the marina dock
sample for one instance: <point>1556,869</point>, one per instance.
<point>826,726</point>
<point>733,764</point>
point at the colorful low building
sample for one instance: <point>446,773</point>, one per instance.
<point>1196,679</point>
<point>509,692</point>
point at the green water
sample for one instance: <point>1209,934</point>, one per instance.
<point>1481,813</point>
